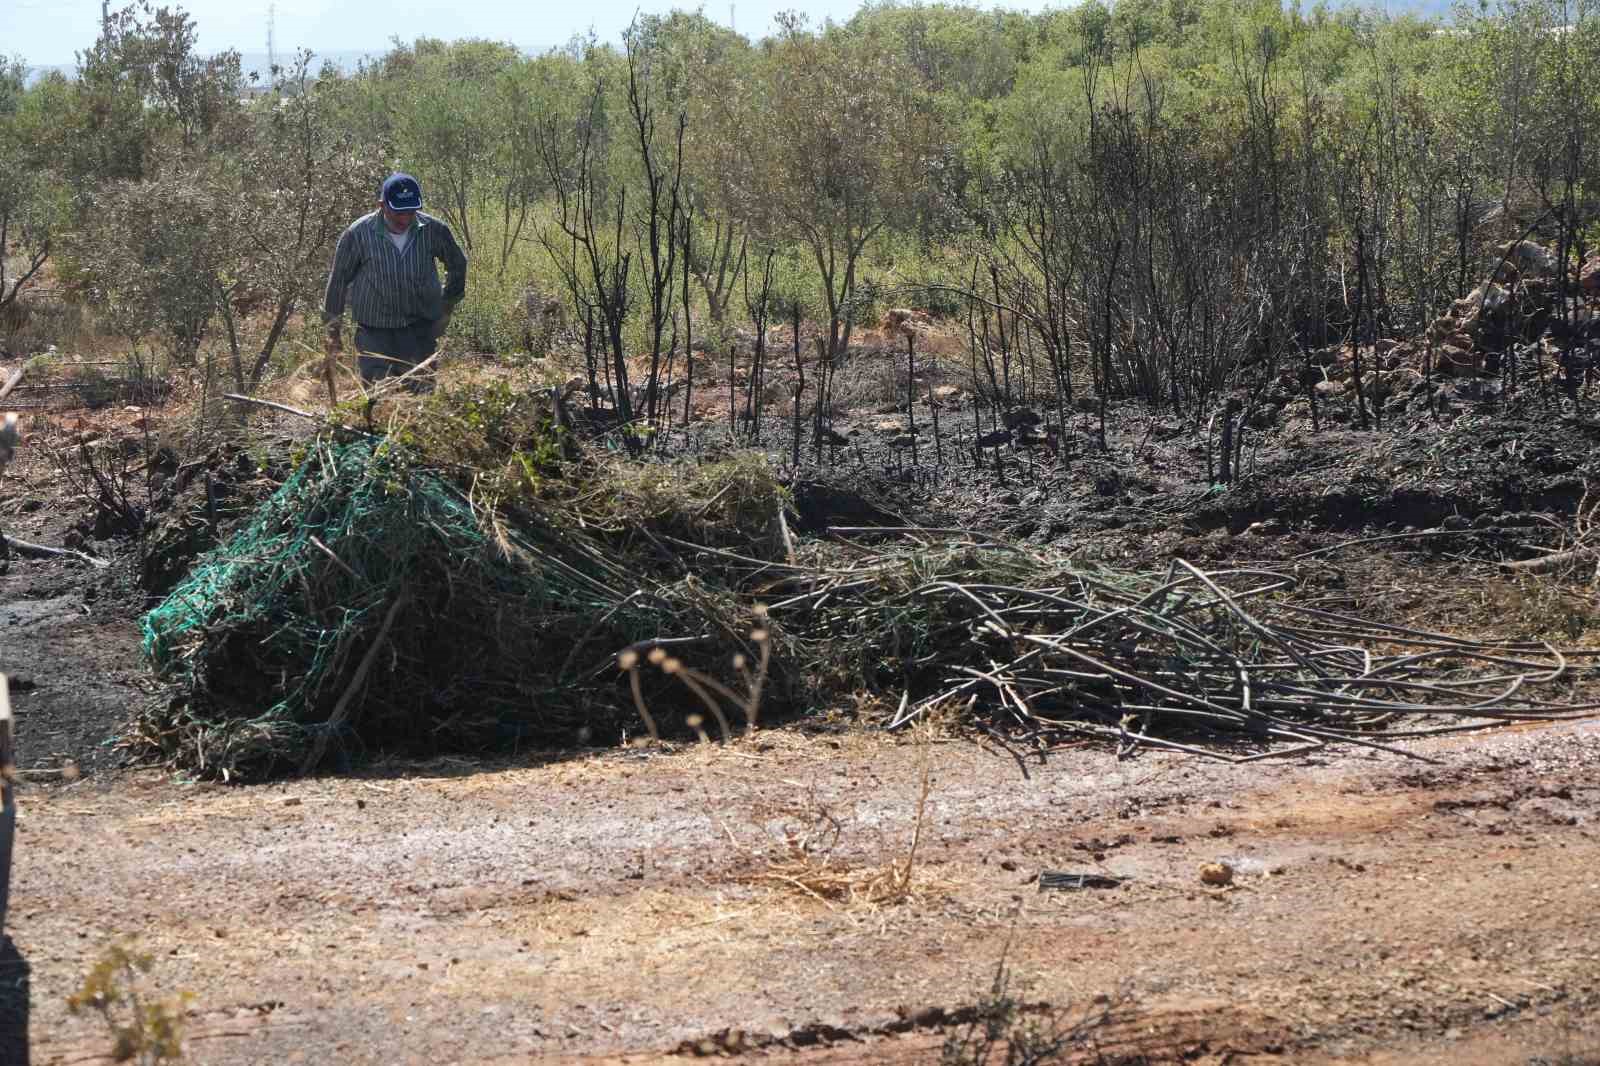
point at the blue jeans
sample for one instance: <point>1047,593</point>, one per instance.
<point>391,352</point>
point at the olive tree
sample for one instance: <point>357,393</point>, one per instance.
<point>26,212</point>
<point>154,251</point>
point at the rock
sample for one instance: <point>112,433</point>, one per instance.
<point>1486,298</point>
<point>1020,417</point>
<point>1216,874</point>
<point>1327,390</point>
<point>890,426</point>
<point>1476,390</point>
<point>1402,380</point>
<point>1166,430</point>
<point>1454,362</point>
<point>538,316</point>
<point>1460,340</point>
<point>905,320</point>
<point>1529,258</point>
<point>1392,382</point>
<point>950,394</point>
<point>1589,278</point>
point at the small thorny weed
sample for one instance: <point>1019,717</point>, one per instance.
<point>143,1030</point>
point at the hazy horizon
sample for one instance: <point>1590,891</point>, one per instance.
<point>48,34</point>
<point>248,61</point>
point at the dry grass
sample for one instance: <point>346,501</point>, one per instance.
<point>810,858</point>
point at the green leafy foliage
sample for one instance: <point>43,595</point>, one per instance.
<point>1170,195</point>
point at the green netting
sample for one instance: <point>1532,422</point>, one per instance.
<point>502,632</point>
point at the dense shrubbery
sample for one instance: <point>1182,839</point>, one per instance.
<point>1150,199</point>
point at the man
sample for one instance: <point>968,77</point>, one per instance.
<point>385,261</point>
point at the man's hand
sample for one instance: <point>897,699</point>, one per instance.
<point>440,324</point>
<point>333,344</point>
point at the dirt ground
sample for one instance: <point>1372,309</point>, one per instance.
<point>626,906</point>
<point>651,905</point>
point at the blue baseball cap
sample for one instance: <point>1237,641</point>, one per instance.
<point>402,193</point>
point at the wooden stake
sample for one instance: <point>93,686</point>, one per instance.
<point>327,371</point>
<point>8,752</point>
<point>341,710</point>
<point>11,382</point>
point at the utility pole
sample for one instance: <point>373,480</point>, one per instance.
<point>272,44</point>
<point>732,24</point>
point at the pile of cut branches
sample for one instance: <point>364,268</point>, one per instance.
<point>1224,664</point>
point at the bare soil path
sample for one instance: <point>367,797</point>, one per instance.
<point>621,907</point>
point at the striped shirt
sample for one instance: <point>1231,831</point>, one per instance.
<point>389,288</point>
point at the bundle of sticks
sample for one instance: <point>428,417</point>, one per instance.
<point>1172,661</point>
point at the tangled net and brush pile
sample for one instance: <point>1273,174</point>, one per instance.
<point>373,605</point>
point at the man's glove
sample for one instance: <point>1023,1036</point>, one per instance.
<point>333,345</point>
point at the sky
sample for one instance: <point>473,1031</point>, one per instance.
<point>51,32</point>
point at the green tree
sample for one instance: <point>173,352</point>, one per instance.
<point>27,208</point>
<point>297,183</point>
<point>160,248</point>
<point>452,130</point>
<point>837,142</point>
<point>141,86</point>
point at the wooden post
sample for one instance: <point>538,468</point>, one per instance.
<point>11,382</point>
<point>8,811</point>
<point>327,372</point>
<point>911,390</point>
<point>8,751</point>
